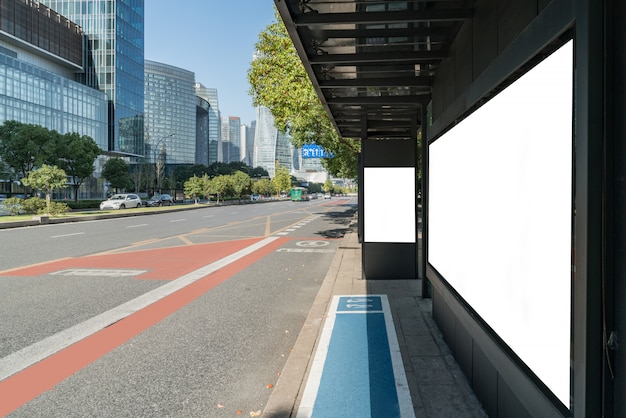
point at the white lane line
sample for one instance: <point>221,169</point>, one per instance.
<point>27,356</point>
<point>177,220</point>
<point>67,235</point>
<point>136,226</point>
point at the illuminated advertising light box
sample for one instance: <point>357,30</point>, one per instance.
<point>500,215</point>
<point>389,204</point>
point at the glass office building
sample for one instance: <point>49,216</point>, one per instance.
<point>202,131</point>
<point>270,145</point>
<point>30,94</point>
<point>40,52</point>
<point>210,95</point>
<point>232,151</point>
<point>115,55</point>
<point>248,156</point>
<point>170,113</point>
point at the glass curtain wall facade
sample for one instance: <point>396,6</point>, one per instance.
<point>170,113</point>
<point>32,95</point>
<point>210,95</point>
<point>234,139</point>
<point>249,153</point>
<point>224,144</point>
<point>115,55</point>
<point>270,146</point>
<point>202,131</point>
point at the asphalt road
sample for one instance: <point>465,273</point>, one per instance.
<point>213,347</point>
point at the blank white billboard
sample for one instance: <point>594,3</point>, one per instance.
<point>500,215</point>
<point>389,204</point>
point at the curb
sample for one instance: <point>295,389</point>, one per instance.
<point>285,398</point>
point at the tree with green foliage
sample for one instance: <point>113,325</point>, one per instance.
<point>241,183</point>
<point>219,169</point>
<point>279,82</point>
<point>24,147</point>
<point>196,187</point>
<point>263,187</point>
<point>220,186</point>
<point>116,171</point>
<point>76,154</point>
<point>282,179</point>
<point>47,179</point>
<point>328,186</point>
<point>183,173</point>
<point>259,172</point>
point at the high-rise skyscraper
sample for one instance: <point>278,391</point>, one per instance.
<point>170,113</point>
<point>270,145</point>
<point>115,53</point>
<point>210,95</point>
<point>234,137</point>
<point>248,157</point>
<point>231,139</point>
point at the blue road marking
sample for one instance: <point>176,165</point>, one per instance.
<point>357,370</point>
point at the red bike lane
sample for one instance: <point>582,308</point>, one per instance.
<point>155,264</point>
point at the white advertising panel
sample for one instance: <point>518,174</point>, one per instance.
<point>500,215</point>
<point>389,204</point>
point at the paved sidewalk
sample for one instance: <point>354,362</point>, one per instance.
<point>437,385</point>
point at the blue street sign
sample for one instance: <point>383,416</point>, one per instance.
<point>315,151</point>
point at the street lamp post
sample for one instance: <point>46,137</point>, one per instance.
<point>159,160</point>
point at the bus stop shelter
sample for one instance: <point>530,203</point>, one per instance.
<point>504,120</point>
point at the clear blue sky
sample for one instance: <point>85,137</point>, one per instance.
<point>212,38</point>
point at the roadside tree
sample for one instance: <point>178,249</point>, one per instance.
<point>263,187</point>
<point>116,171</point>
<point>196,187</point>
<point>241,183</point>
<point>76,155</point>
<point>24,147</point>
<point>220,186</point>
<point>279,82</point>
<point>47,179</point>
<point>328,186</point>
<point>282,179</point>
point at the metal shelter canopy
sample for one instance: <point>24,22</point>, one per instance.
<point>372,62</point>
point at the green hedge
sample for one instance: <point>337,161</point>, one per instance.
<point>83,204</point>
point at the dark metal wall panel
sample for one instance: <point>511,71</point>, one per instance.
<point>484,380</point>
<point>618,151</point>
<point>463,52</point>
<point>463,350</point>
<point>389,153</point>
<point>509,405</point>
<point>542,4</point>
<point>496,27</point>
<point>513,17</point>
<point>484,36</point>
<point>589,134</point>
<point>389,261</point>
<point>553,21</point>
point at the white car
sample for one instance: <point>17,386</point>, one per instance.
<point>121,201</point>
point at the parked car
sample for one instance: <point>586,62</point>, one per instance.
<point>121,201</point>
<point>326,195</point>
<point>160,200</point>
